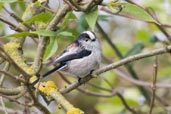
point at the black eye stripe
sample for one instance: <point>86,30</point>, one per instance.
<point>93,40</point>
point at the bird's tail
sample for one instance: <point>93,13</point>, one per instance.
<point>34,80</point>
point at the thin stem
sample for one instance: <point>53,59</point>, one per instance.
<point>154,85</point>
<point>3,105</point>
<point>14,27</point>
<point>6,68</point>
<point>125,104</point>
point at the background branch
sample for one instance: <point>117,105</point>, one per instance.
<point>154,84</point>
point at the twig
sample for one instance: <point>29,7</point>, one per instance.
<point>6,68</point>
<point>12,91</point>
<point>109,84</point>
<point>98,87</point>
<point>166,25</point>
<point>18,19</point>
<point>14,100</point>
<point>75,85</point>
<point>11,111</point>
<point>162,29</point>
<point>12,76</point>
<point>154,85</point>
<point>125,104</point>
<point>14,27</point>
<point>3,105</point>
<point>140,83</point>
<point>21,94</point>
<point>97,94</point>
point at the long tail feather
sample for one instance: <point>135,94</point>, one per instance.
<point>48,73</point>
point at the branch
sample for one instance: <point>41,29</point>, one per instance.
<point>118,64</point>
<point>141,83</point>
<point>3,105</point>
<point>14,27</point>
<point>12,91</point>
<point>12,54</point>
<point>6,68</point>
<point>126,105</point>
<point>18,19</point>
<point>12,76</point>
<point>11,111</point>
<point>76,84</point>
<point>49,88</point>
<point>154,84</point>
<point>133,58</point>
<point>14,100</point>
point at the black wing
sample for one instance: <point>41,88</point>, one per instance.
<point>72,56</point>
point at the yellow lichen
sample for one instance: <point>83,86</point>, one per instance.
<point>32,79</point>
<point>29,70</point>
<point>12,46</point>
<point>75,111</point>
<point>12,49</point>
<point>47,87</point>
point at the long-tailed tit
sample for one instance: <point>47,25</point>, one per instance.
<point>80,58</point>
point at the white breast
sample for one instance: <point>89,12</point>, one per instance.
<point>82,67</point>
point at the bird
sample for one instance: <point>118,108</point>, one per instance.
<point>79,58</point>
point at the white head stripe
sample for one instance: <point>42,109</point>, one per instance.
<point>92,36</point>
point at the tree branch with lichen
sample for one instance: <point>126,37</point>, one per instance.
<point>49,88</point>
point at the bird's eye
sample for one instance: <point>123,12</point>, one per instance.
<point>86,39</point>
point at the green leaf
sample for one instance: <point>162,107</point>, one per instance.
<point>65,33</point>
<point>137,48</point>
<point>8,1</point>
<point>91,17</point>
<point>20,34</point>
<point>82,24</point>
<point>42,17</point>
<point>51,48</point>
<point>132,11</point>
<point>44,32</point>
